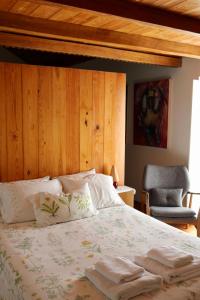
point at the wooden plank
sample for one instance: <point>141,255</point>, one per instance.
<point>86,120</point>
<point>60,124</point>
<point>3,135</point>
<point>45,121</point>
<point>5,5</point>
<point>118,123</point>
<point>45,11</point>
<point>109,158</point>
<point>86,34</point>
<point>30,120</point>
<point>57,121</point>
<point>73,119</point>
<point>23,7</point>
<point>14,124</point>
<point>98,88</point>
<point>137,11</point>
<point>27,42</point>
<point>114,151</point>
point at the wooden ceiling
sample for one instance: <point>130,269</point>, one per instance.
<point>148,31</point>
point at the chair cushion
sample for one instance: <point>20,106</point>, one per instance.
<point>172,212</point>
<point>166,197</point>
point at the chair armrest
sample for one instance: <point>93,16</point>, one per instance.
<point>198,224</point>
<point>191,196</point>
<point>145,202</point>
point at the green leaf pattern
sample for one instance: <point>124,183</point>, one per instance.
<point>52,207</point>
<point>49,263</point>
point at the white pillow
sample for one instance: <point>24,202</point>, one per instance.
<point>79,175</point>
<point>50,209</point>
<point>46,178</point>
<point>15,206</point>
<point>101,187</point>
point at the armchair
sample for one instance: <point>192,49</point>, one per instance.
<point>166,195</point>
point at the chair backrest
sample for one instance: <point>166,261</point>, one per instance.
<point>171,177</point>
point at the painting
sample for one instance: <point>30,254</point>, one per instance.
<point>151,113</point>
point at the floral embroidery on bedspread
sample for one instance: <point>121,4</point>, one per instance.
<point>49,263</point>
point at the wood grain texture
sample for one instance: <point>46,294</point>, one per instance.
<point>57,46</point>
<point>98,87</point>
<point>137,11</point>
<point>86,34</point>
<point>3,129</point>
<point>30,120</point>
<point>59,121</point>
<point>45,114</point>
<point>73,96</point>
<point>14,124</point>
<point>86,120</point>
<point>60,126</point>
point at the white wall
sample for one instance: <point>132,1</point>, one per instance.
<point>180,104</point>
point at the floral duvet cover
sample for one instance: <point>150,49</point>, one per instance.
<point>49,262</point>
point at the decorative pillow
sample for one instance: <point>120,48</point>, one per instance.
<point>15,206</point>
<point>166,197</point>
<point>50,209</point>
<point>79,175</point>
<point>101,188</point>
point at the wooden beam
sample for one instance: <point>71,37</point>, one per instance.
<point>74,32</point>
<point>137,11</point>
<point>36,43</point>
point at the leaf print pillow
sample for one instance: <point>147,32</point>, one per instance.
<point>52,209</point>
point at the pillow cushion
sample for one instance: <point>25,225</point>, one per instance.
<point>51,209</point>
<point>46,178</point>
<point>79,175</point>
<point>101,188</point>
<point>166,197</point>
<point>15,206</point>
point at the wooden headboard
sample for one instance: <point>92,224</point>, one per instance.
<point>55,121</point>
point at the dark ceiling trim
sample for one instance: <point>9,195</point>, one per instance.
<point>137,11</point>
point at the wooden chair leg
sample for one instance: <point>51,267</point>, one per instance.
<point>198,229</point>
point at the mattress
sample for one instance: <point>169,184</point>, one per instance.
<point>49,263</point>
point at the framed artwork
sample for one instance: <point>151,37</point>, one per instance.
<point>151,113</point>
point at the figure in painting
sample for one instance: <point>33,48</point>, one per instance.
<point>150,117</point>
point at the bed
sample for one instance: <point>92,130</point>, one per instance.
<point>49,262</point>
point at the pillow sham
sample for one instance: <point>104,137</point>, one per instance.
<point>101,188</point>
<point>46,178</point>
<point>166,197</point>
<point>79,175</point>
<point>51,209</point>
<point>15,206</point>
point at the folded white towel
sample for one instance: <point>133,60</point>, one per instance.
<point>118,269</point>
<point>124,291</point>
<point>170,275</point>
<point>170,256</point>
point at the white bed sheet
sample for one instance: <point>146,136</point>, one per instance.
<point>49,263</point>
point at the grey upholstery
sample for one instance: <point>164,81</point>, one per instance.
<point>171,177</point>
<point>172,212</point>
<point>166,197</point>
<point>163,187</point>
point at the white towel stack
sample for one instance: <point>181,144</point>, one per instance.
<point>170,256</point>
<point>171,263</point>
<point>121,279</point>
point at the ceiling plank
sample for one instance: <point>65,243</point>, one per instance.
<point>74,32</point>
<point>36,43</point>
<point>137,11</point>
